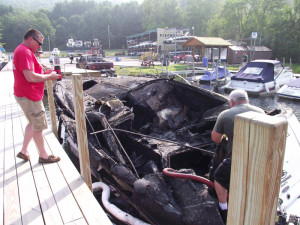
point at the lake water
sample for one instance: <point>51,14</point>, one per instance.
<point>269,102</point>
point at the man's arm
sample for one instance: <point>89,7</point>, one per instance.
<point>216,137</point>
<point>36,78</point>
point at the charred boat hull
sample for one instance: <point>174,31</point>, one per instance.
<point>136,130</point>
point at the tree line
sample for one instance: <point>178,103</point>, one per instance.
<point>275,21</point>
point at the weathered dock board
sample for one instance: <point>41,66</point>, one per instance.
<point>34,193</point>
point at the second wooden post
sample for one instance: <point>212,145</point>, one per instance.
<point>82,141</point>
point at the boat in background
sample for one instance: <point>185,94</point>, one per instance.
<point>290,90</point>
<point>261,77</point>
<point>218,73</point>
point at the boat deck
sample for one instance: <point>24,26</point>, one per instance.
<point>34,193</point>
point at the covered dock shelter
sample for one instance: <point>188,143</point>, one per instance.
<point>209,48</point>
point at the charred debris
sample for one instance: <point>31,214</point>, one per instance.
<point>137,127</point>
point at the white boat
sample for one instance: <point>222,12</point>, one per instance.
<point>261,77</point>
<point>78,43</point>
<point>70,43</point>
<point>289,195</point>
<point>290,90</point>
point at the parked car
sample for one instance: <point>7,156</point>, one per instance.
<point>95,62</point>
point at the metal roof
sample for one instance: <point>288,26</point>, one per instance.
<point>142,34</point>
<point>238,48</point>
<point>209,41</point>
<point>259,48</point>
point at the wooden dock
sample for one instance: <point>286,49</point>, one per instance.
<point>34,193</point>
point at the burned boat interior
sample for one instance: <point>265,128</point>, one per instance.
<point>138,128</point>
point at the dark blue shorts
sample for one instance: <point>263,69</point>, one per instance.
<point>222,173</point>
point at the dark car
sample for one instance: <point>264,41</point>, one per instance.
<point>95,62</point>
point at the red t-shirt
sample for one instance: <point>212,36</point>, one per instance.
<point>24,59</point>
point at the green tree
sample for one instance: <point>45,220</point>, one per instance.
<point>161,14</point>
<point>197,14</point>
<point>18,22</point>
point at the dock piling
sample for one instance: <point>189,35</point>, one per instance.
<point>51,103</point>
<point>257,162</point>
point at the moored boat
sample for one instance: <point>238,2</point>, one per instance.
<point>261,77</point>
<point>218,73</point>
<point>290,90</point>
<point>289,194</point>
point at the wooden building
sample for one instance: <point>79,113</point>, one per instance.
<point>259,52</point>
<point>212,48</point>
<point>235,53</point>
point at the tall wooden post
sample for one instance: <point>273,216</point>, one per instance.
<point>257,161</point>
<point>82,141</point>
<point>52,107</point>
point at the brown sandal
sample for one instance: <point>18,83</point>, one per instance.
<point>51,159</point>
<point>23,156</point>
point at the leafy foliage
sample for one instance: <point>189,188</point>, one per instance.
<point>276,21</point>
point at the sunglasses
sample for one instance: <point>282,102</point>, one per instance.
<point>40,44</point>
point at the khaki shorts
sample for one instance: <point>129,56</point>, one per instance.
<point>34,112</point>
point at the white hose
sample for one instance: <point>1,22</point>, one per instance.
<point>114,210</point>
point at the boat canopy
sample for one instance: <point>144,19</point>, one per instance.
<point>294,83</point>
<point>260,71</point>
<point>222,72</point>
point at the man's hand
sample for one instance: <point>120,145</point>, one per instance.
<point>53,76</point>
<point>36,77</point>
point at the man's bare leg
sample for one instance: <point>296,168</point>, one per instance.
<point>222,193</point>
<point>27,139</point>
<point>39,141</point>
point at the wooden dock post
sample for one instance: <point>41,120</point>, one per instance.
<point>257,161</point>
<point>52,107</point>
<point>82,141</point>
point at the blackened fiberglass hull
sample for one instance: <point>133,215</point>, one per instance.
<point>141,128</point>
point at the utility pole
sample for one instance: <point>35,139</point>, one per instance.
<point>175,41</point>
<point>49,43</point>
<point>108,36</point>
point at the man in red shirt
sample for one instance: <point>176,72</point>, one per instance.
<point>29,91</point>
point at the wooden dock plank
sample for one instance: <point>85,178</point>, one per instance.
<point>82,193</point>
<point>47,201</point>
<point>29,202</point>
<point>2,146</point>
<point>33,193</point>
<point>65,201</point>
<point>49,176</point>
<point>3,104</point>
<point>12,213</point>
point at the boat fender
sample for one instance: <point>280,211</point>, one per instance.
<point>171,173</point>
<point>266,87</point>
<point>276,85</point>
<point>114,210</point>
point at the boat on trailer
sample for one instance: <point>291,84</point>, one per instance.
<point>144,136</point>
<point>261,77</point>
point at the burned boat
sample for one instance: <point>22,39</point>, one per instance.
<point>136,129</point>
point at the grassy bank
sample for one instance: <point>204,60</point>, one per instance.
<point>296,68</point>
<point>134,71</point>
